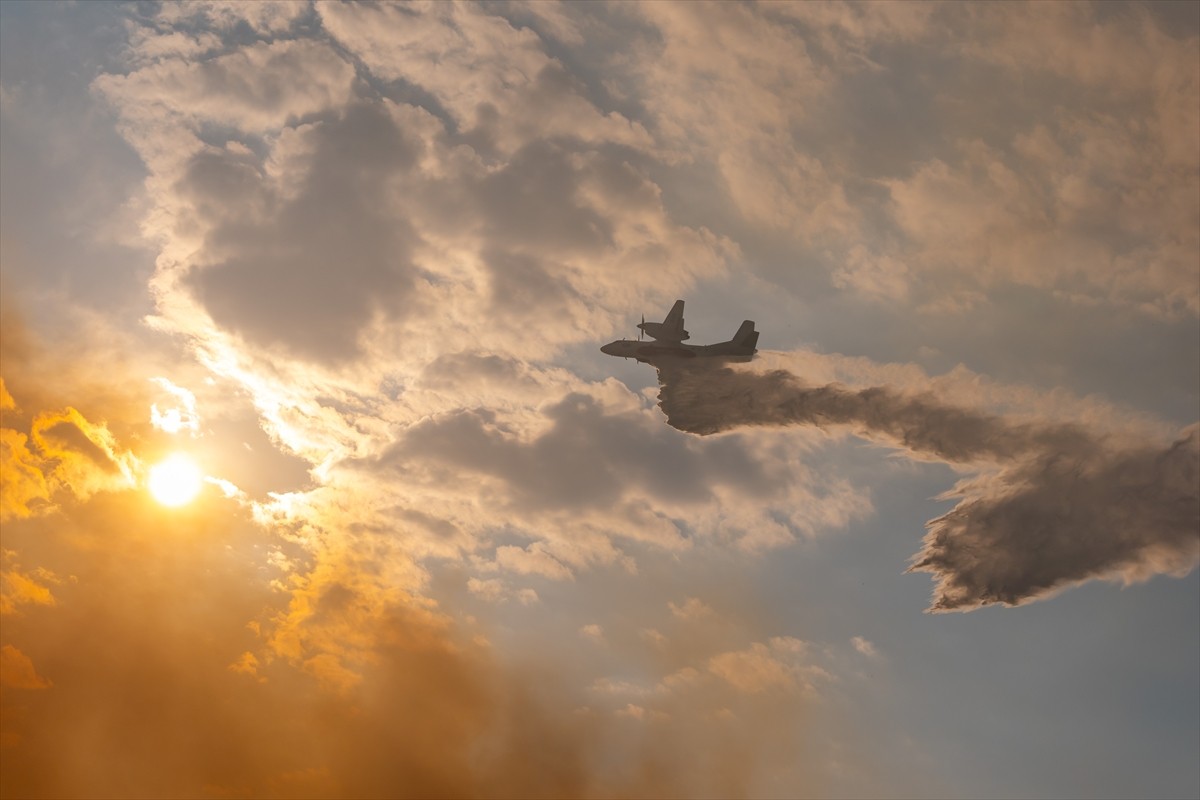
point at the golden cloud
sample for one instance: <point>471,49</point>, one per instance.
<point>16,670</point>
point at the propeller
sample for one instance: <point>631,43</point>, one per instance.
<point>642,328</point>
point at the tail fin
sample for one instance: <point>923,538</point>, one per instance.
<point>746,336</point>
<point>674,316</point>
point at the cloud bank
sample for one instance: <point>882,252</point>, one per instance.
<point>272,647</point>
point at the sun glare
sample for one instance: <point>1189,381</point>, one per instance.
<point>176,480</point>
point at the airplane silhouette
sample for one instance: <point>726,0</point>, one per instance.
<point>668,343</point>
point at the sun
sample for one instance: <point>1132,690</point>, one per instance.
<point>175,480</point>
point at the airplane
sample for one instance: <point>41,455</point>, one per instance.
<point>668,344</point>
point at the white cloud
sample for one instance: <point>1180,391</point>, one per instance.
<point>681,680</point>
<point>592,632</point>
<point>875,275</point>
<point>608,686</point>
<point>1085,207</point>
<point>262,16</point>
<point>864,646</point>
<point>180,414</point>
<point>693,608</point>
<point>258,88</point>
<point>495,590</point>
<point>783,664</point>
<point>534,560</point>
<point>495,80</point>
<point>730,84</point>
<point>653,636</point>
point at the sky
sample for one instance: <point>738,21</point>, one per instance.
<point>316,483</point>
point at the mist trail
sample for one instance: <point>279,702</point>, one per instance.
<point>1053,504</point>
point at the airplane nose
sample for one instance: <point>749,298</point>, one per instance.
<point>607,349</point>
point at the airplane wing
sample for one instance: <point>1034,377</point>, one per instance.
<point>670,329</point>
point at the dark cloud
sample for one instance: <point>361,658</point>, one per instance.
<point>524,286</point>
<point>1057,505</point>
<point>306,271</point>
<point>586,458</point>
<point>534,200</point>
<point>453,370</point>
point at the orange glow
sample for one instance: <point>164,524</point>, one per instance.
<point>176,480</point>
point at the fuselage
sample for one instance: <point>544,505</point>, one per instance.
<point>656,352</point>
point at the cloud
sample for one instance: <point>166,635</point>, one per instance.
<point>160,604</point>
<point>753,670</point>
<point>856,134</point>
<point>22,588</point>
<point>493,79</point>
<point>313,611</point>
<point>46,454</point>
<point>534,560</point>
<point>1053,506</point>
<point>691,609</point>
<point>758,81</point>
<point>1090,195</point>
<point>637,482</point>
<point>294,247</point>
<point>86,457</point>
<point>16,670</point>
<point>124,642</point>
<point>495,590</point>
<point>22,479</point>
<point>389,228</point>
<point>259,87</point>
<point>680,680</point>
<point>267,16</point>
<point>1029,215</point>
<point>592,632</point>
<point>878,276</point>
<point>864,646</point>
<point>178,412</point>
<point>373,222</point>
<point>148,653</point>
<point>63,451</point>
